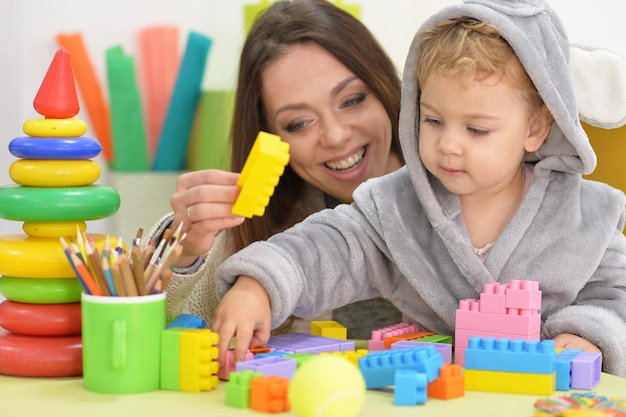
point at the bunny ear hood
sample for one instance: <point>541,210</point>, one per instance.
<point>539,40</point>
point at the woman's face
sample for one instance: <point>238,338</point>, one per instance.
<point>338,132</point>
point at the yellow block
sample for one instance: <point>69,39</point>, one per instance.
<point>331,329</point>
<point>198,360</point>
<point>510,382</point>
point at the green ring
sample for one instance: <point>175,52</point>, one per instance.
<point>55,204</point>
<point>41,290</point>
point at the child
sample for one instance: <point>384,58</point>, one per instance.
<point>491,191</point>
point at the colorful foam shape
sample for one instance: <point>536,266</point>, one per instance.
<point>260,174</point>
<point>55,148</point>
<point>57,98</point>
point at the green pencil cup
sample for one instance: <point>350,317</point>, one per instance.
<point>122,343</point>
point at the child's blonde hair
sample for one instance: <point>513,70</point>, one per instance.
<point>476,50</point>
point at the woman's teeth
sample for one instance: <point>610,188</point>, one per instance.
<point>348,163</point>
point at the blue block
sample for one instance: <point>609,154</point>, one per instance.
<point>563,365</point>
<point>410,387</point>
<point>188,321</point>
<point>506,355</point>
<point>379,367</point>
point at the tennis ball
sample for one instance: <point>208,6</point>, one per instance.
<point>327,386</point>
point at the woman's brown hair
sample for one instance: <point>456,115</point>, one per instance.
<point>281,25</point>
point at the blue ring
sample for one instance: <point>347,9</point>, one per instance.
<point>55,148</point>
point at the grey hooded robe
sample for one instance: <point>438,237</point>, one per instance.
<point>404,236</point>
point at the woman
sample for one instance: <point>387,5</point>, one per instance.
<point>314,75</point>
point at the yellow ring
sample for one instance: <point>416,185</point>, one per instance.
<point>35,257</point>
<point>55,128</point>
<point>53,229</point>
<point>54,173</point>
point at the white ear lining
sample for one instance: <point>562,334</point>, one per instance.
<point>599,78</point>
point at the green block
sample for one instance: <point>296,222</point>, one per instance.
<point>300,357</point>
<point>436,338</point>
<point>170,358</point>
<point>237,389</point>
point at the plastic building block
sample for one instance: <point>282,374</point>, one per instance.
<point>436,338</point>
<point>462,336</point>
<point>229,364</point>
<point>198,360</point>
<point>532,357</point>
<point>509,382</point>
<point>300,358</point>
<point>237,389</point>
<point>270,354</point>
<point>379,367</point>
<point>449,385</point>
<point>259,349</point>
<point>269,394</point>
<point>271,366</point>
<point>586,370</point>
<point>170,362</point>
<point>410,387</point>
<point>515,321</point>
<point>188,321</point>
<point>445,349</point>
<point>563,365</point>
<point>492,299</point>
<point>351,355</point>
<point>523,294</point>
<point>377,342</point>
<point>302,342</point>
<point>329,329</point>
<point>407,336</point>
<point>260,174</point>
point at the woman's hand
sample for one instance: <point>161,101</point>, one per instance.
<point>571,341</point>
<point>243,313</point>
<point>203,201</point>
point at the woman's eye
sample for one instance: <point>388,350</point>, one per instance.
<point>292,127</point>
<point>351,102</point>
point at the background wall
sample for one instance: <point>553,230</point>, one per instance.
<point>28,29</point>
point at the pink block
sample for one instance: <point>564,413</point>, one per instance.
<point>492,299</point>
<point>521,322</point>
<point>373,345</point>
<point>394,330</point>
<point>523,294</point>
<point>461,336</point>
<point>224,372</point>
<point>459,355</point>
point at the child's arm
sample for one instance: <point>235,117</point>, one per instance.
<point>244,313</point>
<point>571,341</point>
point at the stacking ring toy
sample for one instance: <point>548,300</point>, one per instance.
<point>55,148</point>
<point>41,290</point>
<point>41,319</point>
<point>32,204</point>
<point>35,257</point>
<point>54,173</point>
<point>53,229</point>
<point>30,356</point>
<point>55,128</point>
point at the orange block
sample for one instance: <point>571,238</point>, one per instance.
<point>407,336</point>
<point>449,385</point>
<point>269,394</point>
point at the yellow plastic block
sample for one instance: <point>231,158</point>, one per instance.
<point>260,174</point>
<point>351,355</point>
<point>198,360</point>
<point>510,382</point>
<point>331,329</point>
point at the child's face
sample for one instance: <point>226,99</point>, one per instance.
<point>474,133</point>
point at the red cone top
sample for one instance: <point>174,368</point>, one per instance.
<point>56,98</point>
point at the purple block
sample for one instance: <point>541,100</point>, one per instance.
<point>272,365</point>
<point>586,368</point>
<point>307,343</point>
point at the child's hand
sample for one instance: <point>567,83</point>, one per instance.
<point>244,313</point>
<point>571,341</point>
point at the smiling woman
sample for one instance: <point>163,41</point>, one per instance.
<point>314,75</point>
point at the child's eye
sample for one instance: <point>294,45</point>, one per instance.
<point>431,121</point>
<point>477,132</point>
<point>351,102</point>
